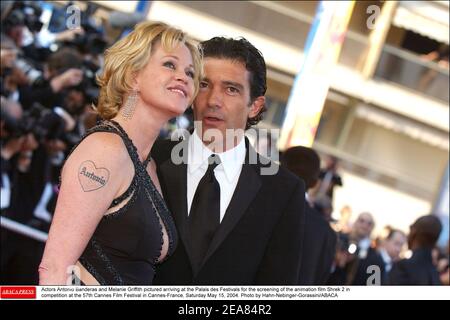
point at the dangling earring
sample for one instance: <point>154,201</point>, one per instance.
<point>130,105</point>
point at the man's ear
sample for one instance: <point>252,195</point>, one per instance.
<point>256,106</point>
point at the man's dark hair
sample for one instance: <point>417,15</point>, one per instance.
<point>304,162</point>
<point>425,231</point>
<point>64,59</point>
<point>243,51</point>
<point>392,232</point>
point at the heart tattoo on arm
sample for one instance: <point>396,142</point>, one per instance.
<point>92,178</point>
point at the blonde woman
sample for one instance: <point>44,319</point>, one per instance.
<point>111,225</point>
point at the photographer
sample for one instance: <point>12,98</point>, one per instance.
<point>354,269</point>
<point>18,252</point>
<point>19,20</point>
<point>45,99</point>
<point>12,78</point>
<point>62,71</point>
<point>29,144</point>
<point>10,146</point>
<point>345,254</point>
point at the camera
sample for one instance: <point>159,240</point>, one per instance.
<point>91,41</point>
<point>345,245</point>
<point>43,123</point>
<point>33,74</point>
<point>24,13</point>
<point>88,86</point>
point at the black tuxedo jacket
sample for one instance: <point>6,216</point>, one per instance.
<point>260,239</point>
<point>318,251</point>
<point>417,270</point>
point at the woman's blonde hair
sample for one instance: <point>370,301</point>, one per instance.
<point>131,54</point>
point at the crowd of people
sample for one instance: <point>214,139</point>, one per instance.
<point>47,87</point>
<point>120,183</point>
<point>351,248</point>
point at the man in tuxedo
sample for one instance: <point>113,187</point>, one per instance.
<point>419,269</point>
<point>320,239</point>
<point>391,248</point>
<point>240,217</point>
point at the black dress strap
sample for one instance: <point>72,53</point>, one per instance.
<point>129,142</point>
<point>132,150</point>
<point>147,160</point>
<point>112,127</point>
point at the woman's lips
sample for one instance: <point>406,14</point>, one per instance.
<point>179,90</point>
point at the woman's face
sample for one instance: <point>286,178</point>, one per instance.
<point>167,81</point>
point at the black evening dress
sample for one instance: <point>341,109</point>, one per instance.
<point>127,243</point>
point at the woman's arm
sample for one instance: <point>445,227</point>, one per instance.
<point>92,177</point>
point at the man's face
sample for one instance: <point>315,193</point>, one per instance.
<point>363,225</point>
<point>223,101</point>
<point>74,102</point>
<point>395,244</point>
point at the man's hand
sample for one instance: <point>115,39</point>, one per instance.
<point>54,146</point>
<point>8,56</point>
<point>69,35</point>
<point>13,146</point>
<point>30,143</point>
<point>69,78</point>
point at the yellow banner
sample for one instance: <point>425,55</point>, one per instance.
<point>311,85</point>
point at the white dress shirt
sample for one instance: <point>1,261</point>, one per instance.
<point>364,246</point>
<point>227,173</point>
<point>387,260</point>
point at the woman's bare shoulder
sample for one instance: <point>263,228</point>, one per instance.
<point>103,146</point>
<point>100,152</point>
